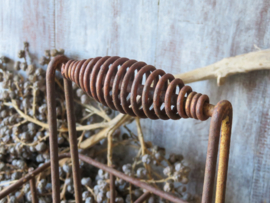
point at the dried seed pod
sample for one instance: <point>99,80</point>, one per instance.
<point>12,199</point>
<point>60,140</point>
<point>181,189</point>
<point>47,53</point>
<point>84,99</point>
<point>168,171</point>
<point>89,200</point>
<point>187,197</point>
<point>17,65</point>
<point>178,167</point>
<point>70,189</point>
<point>54,52</point>
<point>21,164</point>
<point>159,155</point>
<point>43,60</point>
<point>21,54</point>
<point>23,66</point>
<point>141,172</point>
<point>4,59</point>
<point>74,86</point>
<point>127,169</point>
<point>86,194</point>
<point>147,159</point>
<point>25,136</point>
<point>4,200</point>
<point>152,199</point>
<point>2,166</point>
<point>16,176</point>
<point>26,44</point>
<point>67,168</point>
<point>86,181</point>
<point>42,109</point>
<point>31,127</point>
<point>30,69</point>
<point>119,200</point>
<point>137,193</point>
<point>40,72</point>
<point>32,78</point>
<point>79,92</point>
<point>41,147</point>
<point>184,180</point>
<point>68,181</point>
<point>168,187</point>
<point>174,158</point>
<point>5,95</point>
<point>61,51</point>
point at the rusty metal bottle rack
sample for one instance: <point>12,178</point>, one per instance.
<point>101,75</point>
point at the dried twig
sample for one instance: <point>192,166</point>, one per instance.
<point>258,60</point>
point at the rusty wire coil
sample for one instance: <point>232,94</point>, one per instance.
<point>133,87</point>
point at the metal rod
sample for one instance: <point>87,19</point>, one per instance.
<point>112,188</point>
<point>132,180</point>
<point>223,110</point>
<point>109,80</point>
<point>50,86</point>
<point>11,188</point>
<point>220,126</point>
<point>33,187</point>
<point>97,164</point>
<point>223,159</point>
<point>73,141</point>
<point>145,196</point>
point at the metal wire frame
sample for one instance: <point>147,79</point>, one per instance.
<point>220,131</point>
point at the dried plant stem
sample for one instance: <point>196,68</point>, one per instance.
<point>62,129</point>
<point>63,192</point>
<point>158,181</point>
<point>140,136</point>
<point>34,102</point>
<point>123,119</point>
<point>115,123</point>
<point>91,191</point>
<point>19,89</point>
<point>110,148</point>
<point>141,139</point>
<point>80,138</point>
<point>94,110</point>
<point>258,60</point>
<point>59,84</point>
<point>20,123</point>
<point>84,118</point>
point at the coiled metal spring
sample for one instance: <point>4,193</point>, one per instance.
<point>135,88</point>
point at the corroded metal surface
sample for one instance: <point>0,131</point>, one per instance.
<point>73,141</point>
<point>145,196</point>
<point>97,164</point>
<point>50,86</point>
<point>100,76</point>
<point>220,124</point>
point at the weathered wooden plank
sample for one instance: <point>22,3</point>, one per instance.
<point>125,28</point>
<point>29,20</point>
<point>197,33</point>
<point>176,36</point>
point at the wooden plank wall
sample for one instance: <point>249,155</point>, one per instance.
<point>176,36</point>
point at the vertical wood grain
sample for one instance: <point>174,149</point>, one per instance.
<point>27,20</point>
<point>198,33</point>
<point>176,36</point>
